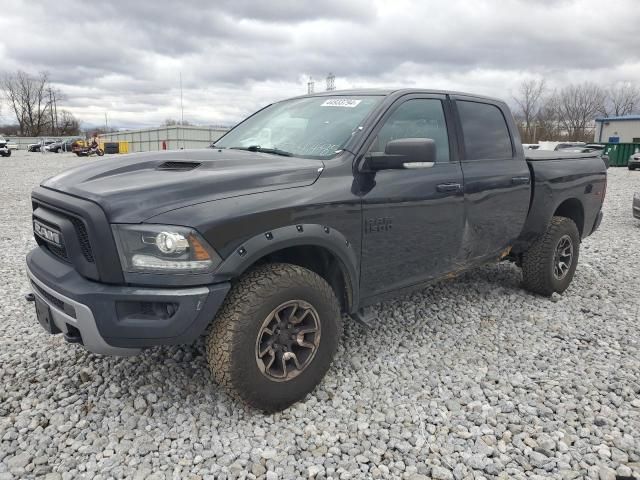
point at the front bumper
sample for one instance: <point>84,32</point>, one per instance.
<point>633,163</point>
<point>120,320</point>
<point>636,206</point>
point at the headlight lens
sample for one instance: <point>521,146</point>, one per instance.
<point>163,249</point>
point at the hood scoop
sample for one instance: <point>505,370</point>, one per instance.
<point>176,166</point>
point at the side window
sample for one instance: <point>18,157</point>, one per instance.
<point>418,118</point>
<point>485,131</point>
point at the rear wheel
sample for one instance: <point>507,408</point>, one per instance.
<point>550,263</point>
<point>275,336</point>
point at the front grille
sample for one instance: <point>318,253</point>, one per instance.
<point>60,305</point>
<point>81,233</point>
<point>83,237</point>
<point>60,252</point>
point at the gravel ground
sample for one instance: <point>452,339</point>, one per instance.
<point>472,378</point>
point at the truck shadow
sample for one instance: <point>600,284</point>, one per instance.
<point>417,314</point>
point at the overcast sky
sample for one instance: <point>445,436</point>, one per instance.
<point>125,57</point>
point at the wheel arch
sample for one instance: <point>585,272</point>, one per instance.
<point>573,209</point>
<point>319,248</point>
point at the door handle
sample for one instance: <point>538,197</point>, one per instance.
<point>449,187</point>
<point>520,180</point>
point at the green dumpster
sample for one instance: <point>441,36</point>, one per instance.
<point>619,153</point>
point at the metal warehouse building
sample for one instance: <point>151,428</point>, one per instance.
<point>171,138</point>
<point>618,129</point>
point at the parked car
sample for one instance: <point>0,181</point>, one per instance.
<point>555,146</point>
<point>67,145</point>
<point>5,151</point>
<point>11,145</point>
<point>55,147</point>
<point>596,146</point>
<point>634,161</point>
<point>36,147</point>
<point>574,149</point>
<point>62,145</point>
<point>304,214</point>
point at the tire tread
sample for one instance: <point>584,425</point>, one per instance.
<point>535,261</point>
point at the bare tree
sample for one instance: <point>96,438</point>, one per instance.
<point>67,124</point>
<point>576,107</point>
<point>546,126</point>
<point>170,122</point>
<point>622,99</point>
<point>28,98</point>
<point>529,99</point>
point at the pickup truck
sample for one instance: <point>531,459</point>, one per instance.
<point>300,218</point>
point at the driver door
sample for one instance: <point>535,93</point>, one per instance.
<point>413,219</point>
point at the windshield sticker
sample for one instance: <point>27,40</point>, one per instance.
<point>341,102</point>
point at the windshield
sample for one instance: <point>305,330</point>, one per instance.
<point>311,127</point>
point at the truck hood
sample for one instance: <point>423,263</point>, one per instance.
<point>133,188</point>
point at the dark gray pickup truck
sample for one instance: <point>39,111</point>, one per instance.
<point>300,217</point>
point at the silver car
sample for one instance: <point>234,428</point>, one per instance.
<point>634,161</point>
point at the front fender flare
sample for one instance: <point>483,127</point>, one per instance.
<point>252,250</point>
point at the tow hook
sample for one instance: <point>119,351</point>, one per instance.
<point>29,297</point>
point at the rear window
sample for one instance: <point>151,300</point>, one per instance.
<point>485,131</point>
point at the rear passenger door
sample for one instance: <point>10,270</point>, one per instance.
<point>496,177</point>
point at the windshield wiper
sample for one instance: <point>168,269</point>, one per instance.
<point>258,148</point>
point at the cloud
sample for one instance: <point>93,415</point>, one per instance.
<point>126,57</point>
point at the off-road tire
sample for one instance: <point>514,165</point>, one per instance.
<point>538,261</point>
<point>231,341</point>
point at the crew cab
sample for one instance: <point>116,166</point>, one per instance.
<point>299,218</point>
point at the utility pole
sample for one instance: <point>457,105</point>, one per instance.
<point>310,85</point>
<point>181,111</point>
<point>106,123</point>
<point>51,111</point>
<point>181,106</point>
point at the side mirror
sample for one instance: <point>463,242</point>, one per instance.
<point>404,153</point>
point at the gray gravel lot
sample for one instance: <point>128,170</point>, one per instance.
<point>472,378</point>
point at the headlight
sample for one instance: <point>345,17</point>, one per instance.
<point>163,249</point>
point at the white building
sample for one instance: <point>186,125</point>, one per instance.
<point>618,129</point>
<point>174,137</point>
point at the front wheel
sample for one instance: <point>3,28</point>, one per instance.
<point>550,263</point>
<point>99,152</point>
<point>275,336</point>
